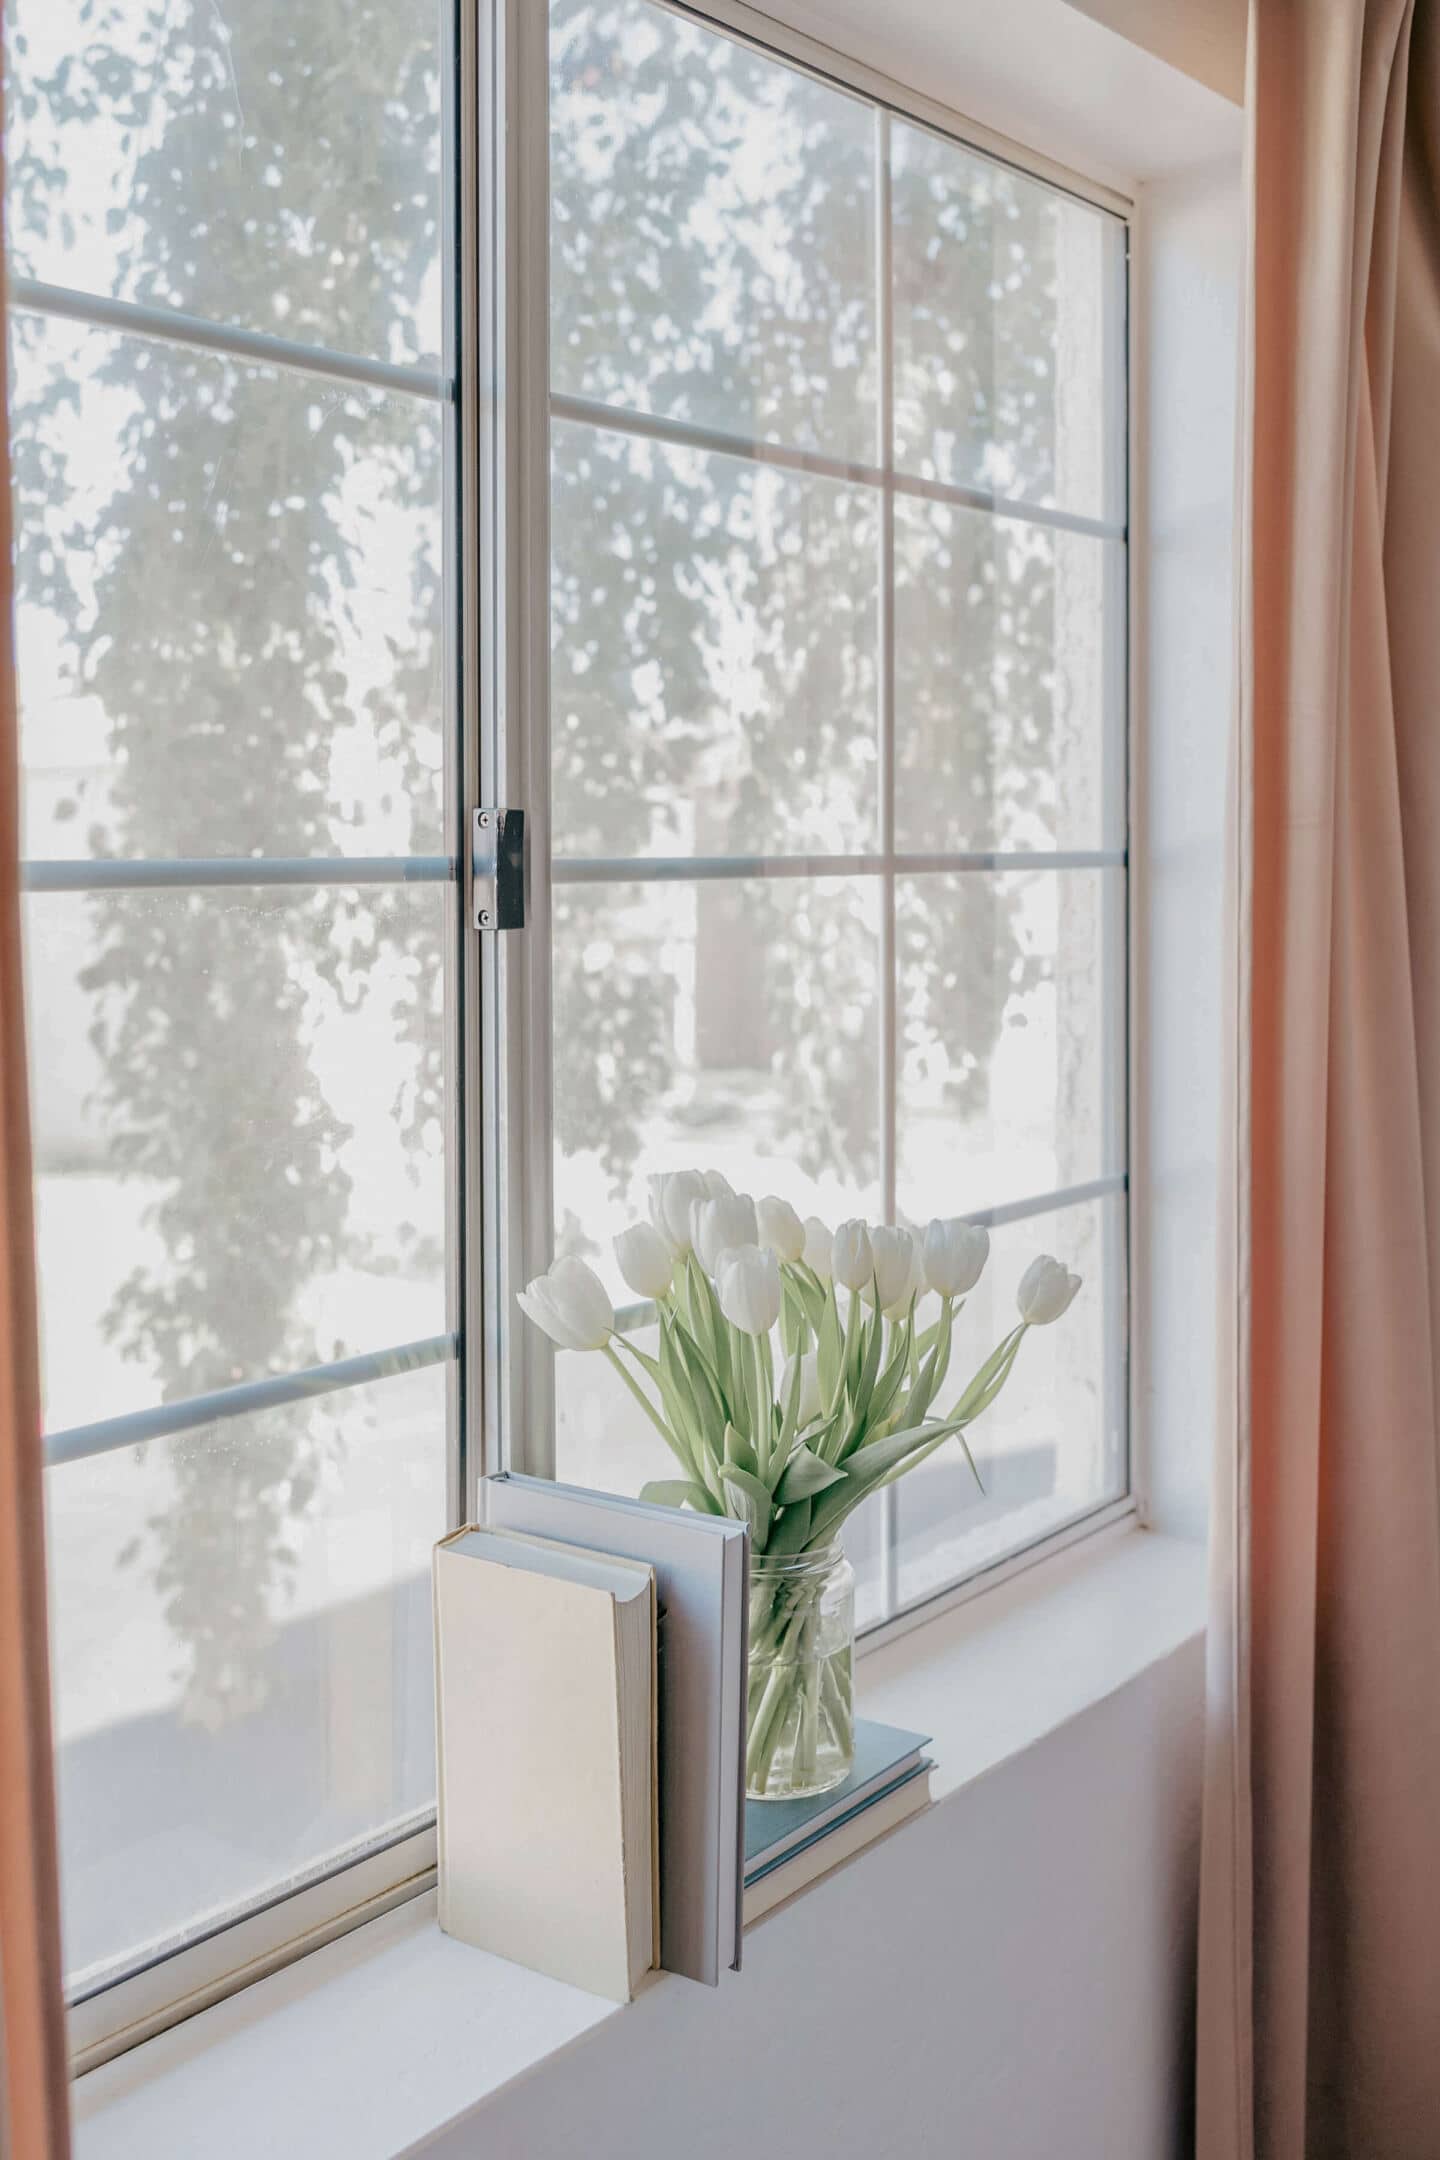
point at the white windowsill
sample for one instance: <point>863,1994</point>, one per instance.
<point>372,2044</point>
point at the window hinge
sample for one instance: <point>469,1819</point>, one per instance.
<point>497,858</point>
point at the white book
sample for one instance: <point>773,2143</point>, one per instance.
<point>701,1581</point>
<point>545,1685</point>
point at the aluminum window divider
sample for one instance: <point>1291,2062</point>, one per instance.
<point>171,326</point>
<point>163,1420</point>
<point>183,873</point>
<point>687,435</point>
<point>687,869</point>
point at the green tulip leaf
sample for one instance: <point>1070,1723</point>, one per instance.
<point>739,1454</point>
<point>750,1501</point>
<point>679,1492</point>
<point>805,1474</point>
<point>790,1528</point>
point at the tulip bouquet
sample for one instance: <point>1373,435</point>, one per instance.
<point>794,1452</point>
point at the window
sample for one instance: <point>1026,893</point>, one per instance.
<point>819,726</point>
<point>837,718</point>
<point>230,237</point>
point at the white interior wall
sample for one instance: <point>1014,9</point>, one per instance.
<point>1187,280</point>
<point>1006,1978</point>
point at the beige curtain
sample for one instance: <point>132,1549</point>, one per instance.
<point>33,2088</point>
<point>1320,1906</point>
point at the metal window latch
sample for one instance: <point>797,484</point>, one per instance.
<point>497,856</point>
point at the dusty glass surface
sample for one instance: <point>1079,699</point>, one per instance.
<point>204,1217</point>
<point>1052,1448</point>
<point>694,1053</point>
<point>713,676</point>
<point>1009,346</point>
<point>1032,1099</point>
<point>273,166</point>
<point>712,232</point>
<point>270,543</point>
<point>1009,671</point>
<point>241,1658</point>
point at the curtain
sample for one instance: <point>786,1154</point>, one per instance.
<point>1319,1996</point>
<point>33,2079</point>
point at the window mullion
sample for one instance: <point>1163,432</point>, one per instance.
<point>889,989</point>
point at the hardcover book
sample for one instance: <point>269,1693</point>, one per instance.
<point>545,1683</point>
<point>700,1564</point>
<point>791,1843</point>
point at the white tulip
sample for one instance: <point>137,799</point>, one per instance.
<point>893,1252</point>
<point>1047,1289</point>
<point>819,1245</point>
<point>717,1225</point>
<point>780,1228</point>
<point>672,1195</point>
<point>716,1184</point>
<point>645,1260</point>
<point>810,1404</point>
<point>749,1289</point>
<point>572,1306</point>
<point>915,1288</point>
<point>851,1260</point>
<point>955,1253</point>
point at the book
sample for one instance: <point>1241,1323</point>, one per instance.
<point>871,1821</point>
<point>884,1754</point>
<point>545,1682</point>
<point>791,1843</point>
<point>701,1580</point>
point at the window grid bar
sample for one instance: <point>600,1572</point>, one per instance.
<point>176,328</point>
<point>642,1313</point>
<point>889,1077</point>
<point>696,869</point>
<point>162,873</point>
<point>272,1393</point>
<point>158,873</point>
<point>687,435</point>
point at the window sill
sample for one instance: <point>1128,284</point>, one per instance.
<point>377,2041</point>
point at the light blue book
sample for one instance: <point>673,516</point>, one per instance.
<point>886,1756</point>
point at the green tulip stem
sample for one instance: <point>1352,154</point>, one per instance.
<point>672,1441</point>
<point>764,1432</point>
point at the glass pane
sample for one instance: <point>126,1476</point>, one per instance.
<point>1052,1447</point>
<point>241,1658</point>
<point>1011,1018</point>
<point>230,616</point>
<point>239,1145</point>
<point>712,232</point>
<point>1009,683</point>
<point>1009,330</point>
<point>275,167</point>
<point>713,681</point>
<point>727,1026</point>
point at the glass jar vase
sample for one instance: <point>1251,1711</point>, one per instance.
<point>800,1724</point>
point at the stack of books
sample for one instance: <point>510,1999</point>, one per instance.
<point>590,1689</point>
<point>590,1734</point>
<point>789,1844</point>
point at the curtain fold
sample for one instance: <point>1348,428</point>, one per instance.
<point>1319,2028</point>
<point>33,2072</point>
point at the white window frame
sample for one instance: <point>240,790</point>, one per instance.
<point>502,1382</point>
<point>519,1421</point>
